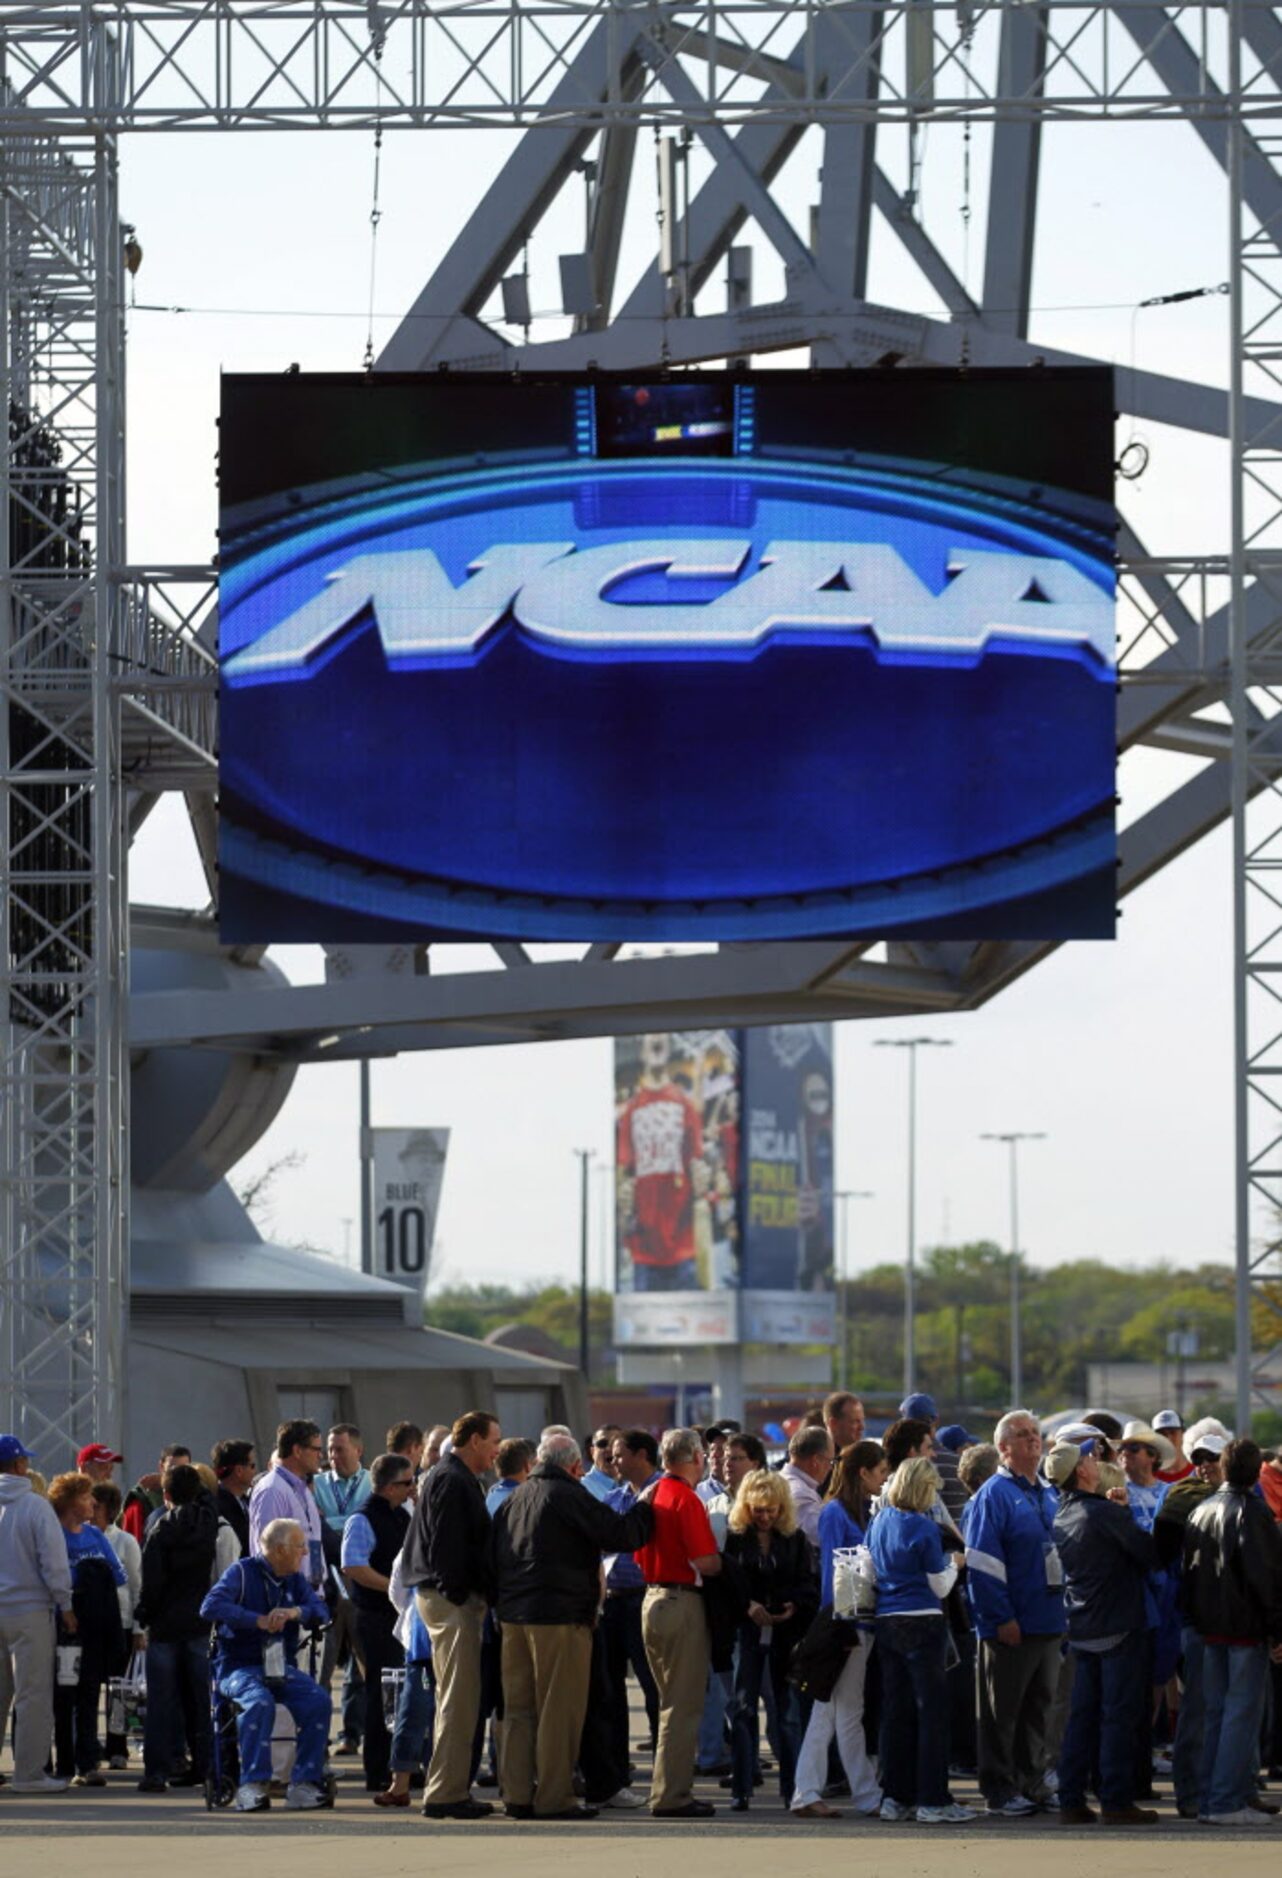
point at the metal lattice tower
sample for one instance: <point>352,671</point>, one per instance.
<point>108,675</point>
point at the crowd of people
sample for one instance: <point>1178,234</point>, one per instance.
<point>870,1620</point>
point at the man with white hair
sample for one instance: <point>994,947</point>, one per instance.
<point>1016,1594</point>
<point>809,1464</point>
<point>258,1607</point>
<point>546,1542</point>
<point>680,1555</point>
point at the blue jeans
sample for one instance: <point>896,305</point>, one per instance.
<point>753,1665</point>
<point>1186,1757</point>
<point>914,1709</point>
<point>1233,1679</point>
<point>1110,1690</point>
<point>683,1276</point>
<point>711,1751</point>
<point>415,1717</point>
<point>177,1690</point>
<point>306,1701</point>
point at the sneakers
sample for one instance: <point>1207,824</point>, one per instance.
<point>954,1814</point>
<point>1244,1816</point>
<point>1017,1807</point>
<point>118,1763</point>
<point>251,1797</point>
<point>91,1779</point>
<point>625,1799</point>
<point>895,1810</point>
<point>47,1783</point>
<point>303,1797</point>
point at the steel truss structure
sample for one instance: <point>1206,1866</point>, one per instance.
<point>108,670</point>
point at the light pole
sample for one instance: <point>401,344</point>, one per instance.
<point>912,1045</point>
<point>843,1279</point>
<point>585,1156</point>
<point>1012,1142</point>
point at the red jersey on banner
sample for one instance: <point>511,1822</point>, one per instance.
<point>659,1135</point>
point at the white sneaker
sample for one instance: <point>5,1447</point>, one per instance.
<point>303,1796</point>
<point>47,1783</point>
<point>251,1797</point>
<point>894,1810</point>
<point>1244,1816</point>
<point>625,1799</point>
<point>954,1814</point>
<point>1017,1807</point>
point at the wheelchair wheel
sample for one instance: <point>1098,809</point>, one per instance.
<point>220,1791</point>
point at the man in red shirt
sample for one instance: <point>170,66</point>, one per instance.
<point>1168,1423</point>
<point>681,1554</point>
<point>660,1158</point>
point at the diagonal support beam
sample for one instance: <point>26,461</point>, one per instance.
<point>1012,182</point>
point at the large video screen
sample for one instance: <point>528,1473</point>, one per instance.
<point>717,655</point>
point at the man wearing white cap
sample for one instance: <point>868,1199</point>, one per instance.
<point>1167,1422</point>
<point>1205,1444</point>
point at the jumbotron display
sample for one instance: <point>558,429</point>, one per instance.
<point>717,655</point>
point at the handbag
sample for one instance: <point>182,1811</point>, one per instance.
<point>820,1657</point>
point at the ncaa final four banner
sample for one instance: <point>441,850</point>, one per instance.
<point>409,1172</point>
<point>724,1186</point>
<point>677,1159</point>
<point>699,656</point>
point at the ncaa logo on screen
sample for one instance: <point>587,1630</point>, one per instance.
<point>715,597</point>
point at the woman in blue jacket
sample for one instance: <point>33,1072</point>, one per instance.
<point>857,1478</point>
<point>914,1576</point>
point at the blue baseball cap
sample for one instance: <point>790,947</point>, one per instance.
<point>11,1449</point>
<point>918,1408</point>
<point>955,1438</point>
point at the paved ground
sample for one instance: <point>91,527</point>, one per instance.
<point>118,1833</point>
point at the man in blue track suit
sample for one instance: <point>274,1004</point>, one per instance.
<point>257,1605</point>
<point>1016,1594</point>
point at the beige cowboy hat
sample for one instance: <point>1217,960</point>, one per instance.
<point>1140,1431</point>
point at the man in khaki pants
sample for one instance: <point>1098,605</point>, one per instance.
<point>35,1580</point>
<point>680,1555</point>
<point>548,1540</point>
<point>446,1560</point>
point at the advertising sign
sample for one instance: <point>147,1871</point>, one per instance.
<point>788,1159</point>
<point>710,656</point>
<point>676,1107</point>
<point>409,1169</point>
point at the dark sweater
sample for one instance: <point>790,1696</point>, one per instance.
<point>447,1547</point>
<point>547,1543</point>
<point>177,1565</point>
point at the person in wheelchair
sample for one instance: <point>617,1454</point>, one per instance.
<point>257,1607</point>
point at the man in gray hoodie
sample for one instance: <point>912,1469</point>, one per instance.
<point>35,1580</point>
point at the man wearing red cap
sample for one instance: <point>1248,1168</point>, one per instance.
<point>98,1461</point>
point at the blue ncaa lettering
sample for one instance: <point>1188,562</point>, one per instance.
<point>561,596</point>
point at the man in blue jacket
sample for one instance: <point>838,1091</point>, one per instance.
<point>257,1606</point>
<point>1015,1585</point>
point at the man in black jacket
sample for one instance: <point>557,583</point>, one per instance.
<point>547,1544</point>
<point>446,1562</point>
<point>177,1568</point>
<point>1232,1594</point>
<point>372,1538</point>
<point>235,1465</point>
<point>1105,1558</point>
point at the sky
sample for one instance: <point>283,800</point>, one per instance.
<point>1121,1054</point>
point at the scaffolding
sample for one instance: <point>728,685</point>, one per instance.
<point>109,670</point>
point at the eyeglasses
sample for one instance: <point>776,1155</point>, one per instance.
<point>602,1444</point>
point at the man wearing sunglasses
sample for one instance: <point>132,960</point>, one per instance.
<point>601,1480</point>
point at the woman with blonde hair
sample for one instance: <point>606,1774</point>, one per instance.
<point>771,1566</point>
<point>914,1576</point>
